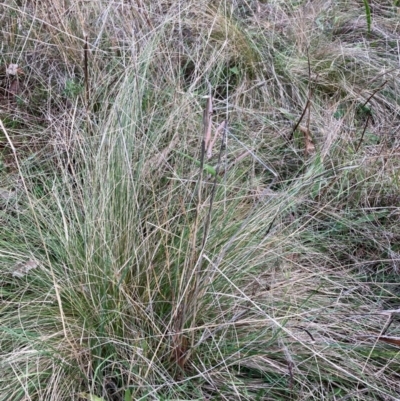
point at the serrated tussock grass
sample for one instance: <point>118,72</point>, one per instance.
<point>128,272</point>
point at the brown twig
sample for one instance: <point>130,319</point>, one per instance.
<point>363,133</point>
<point>308,103</point>
<point>86,71</point>
<point>369,114</point>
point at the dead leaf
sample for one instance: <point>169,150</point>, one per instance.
<point>22,268</point>
<point>12,69</point>
<point>309,146</point>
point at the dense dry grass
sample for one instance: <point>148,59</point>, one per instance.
<point>130,273</point>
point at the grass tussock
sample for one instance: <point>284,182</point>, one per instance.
<point>138,262</point>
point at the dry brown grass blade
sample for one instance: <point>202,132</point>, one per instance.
<point>142,11</point>
<point>390,340</point>
<point>180,350</point>
<point>207,117</point>
<point>217,133</point>
<point>161,157</point>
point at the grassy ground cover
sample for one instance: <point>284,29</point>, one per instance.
<point>199,200</point>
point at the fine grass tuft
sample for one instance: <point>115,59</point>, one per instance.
<point>135,268</point>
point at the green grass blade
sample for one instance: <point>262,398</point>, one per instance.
<point>368,15</point>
